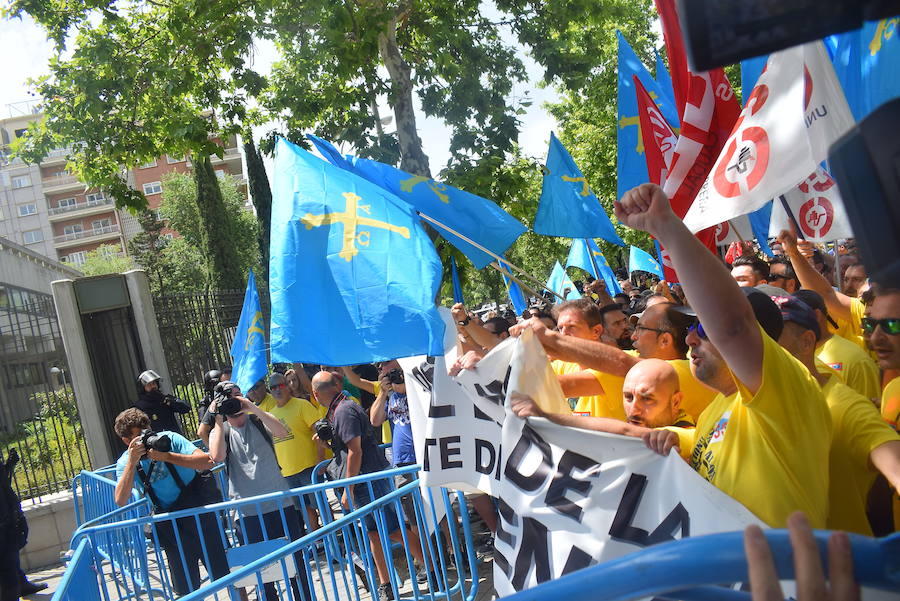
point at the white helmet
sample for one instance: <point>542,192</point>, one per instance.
<point>147,377</point>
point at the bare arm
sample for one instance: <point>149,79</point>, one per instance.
<point>377,414</point>
<point>198,460</point>
<point>886,459</point>
<point>354,459</point>
<point>203,431</point>
<point>524,406</point>
<point>473,329</point>
<point>271,422</point>
<point>303,377</point>
<point>125,483</point>
<point>837,303</point>
<point>723,309</point>
<point>582,383</point>
<point>367,385</point>
<point>589,354</point>
<point>217,441</point>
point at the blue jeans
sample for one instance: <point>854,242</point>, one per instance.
<point>362,496</point>
<point>303,478</point>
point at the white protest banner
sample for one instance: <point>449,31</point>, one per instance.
<point>734,230</point>
<point>817,206</point>
<point>796,110</point>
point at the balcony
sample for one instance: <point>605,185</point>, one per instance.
<point>86,236</point>
<point>61,183</point>
<point>57,156</point>
<point>80,209</point>
<point>231,155</point>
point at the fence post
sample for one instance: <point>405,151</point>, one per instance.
<point>82,373</point>
<point>147,326</point>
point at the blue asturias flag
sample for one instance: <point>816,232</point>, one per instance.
<point>515,292</point>
<point>476,218</point>
<point>580,256</point>
<point>457,287</point>
<point>561,284</point>
<point>631,166</point>
<point>664,79</point>
<point>865,62</point>
<point>568,207</point>
<point>641,260</point>
<point>352,274</point>
<point>248,351</point>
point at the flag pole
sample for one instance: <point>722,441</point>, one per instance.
<point>485,250</point>
<point>737,231</point>
<point>593,260</point>
<point>790,214</point>
<point>525,286</point>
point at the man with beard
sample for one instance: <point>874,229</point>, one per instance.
<point>650,399</point>
<point>160,408</point>
<point>616,330</point>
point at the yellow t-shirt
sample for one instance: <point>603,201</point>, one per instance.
<point>854,366</point>
<point>695,396</point>
<point>296,451</point>
<point>857,430</point>
<point>852,329</point>
<point>767,450</point>
<point>608,404</point>
<point>890,403</point>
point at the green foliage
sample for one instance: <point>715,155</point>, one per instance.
<point>185,267</point>
<point>146,248</point>
<point>107,258</point>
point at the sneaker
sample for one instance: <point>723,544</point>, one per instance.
<point>421,575</point>
<point>385,593</point>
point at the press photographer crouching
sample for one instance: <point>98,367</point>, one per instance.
<point>174,474</point>
<point>242,437</point>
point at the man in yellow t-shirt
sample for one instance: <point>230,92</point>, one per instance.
<point>853,365</point>
<point>862,444</point>
<point>297,453</point>
<point>763,439</point>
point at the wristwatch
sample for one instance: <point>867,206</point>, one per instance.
<point>465,321</point>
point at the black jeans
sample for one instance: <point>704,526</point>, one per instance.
<point>252,529</point>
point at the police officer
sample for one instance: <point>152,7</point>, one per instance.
<point>160,408</point>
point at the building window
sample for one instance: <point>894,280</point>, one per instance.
<point>77,258</point>
<point>33,236</point>
<point>152,188</point>
<point>27,209</point>
<point>73,230</point>
<point>65,203</point>
<point>172,160</point>
<point>20,132</point>
<point>168,236</point>
<point>98,225</point>
<point>221,174</point>
<point>158,215</point>
<point>95,198</point>
<point>148,165</point>
<point>21,181</point>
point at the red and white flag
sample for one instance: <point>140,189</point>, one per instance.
<point>817,206</point>
<point>657,135</point>
<point>796,110</point>
<point>734,230</point>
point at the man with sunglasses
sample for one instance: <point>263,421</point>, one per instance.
<point>297,452</point>
<point>862,444</point>
<point>882,326</point>
<point>764,438</point>
<point>781,274</point>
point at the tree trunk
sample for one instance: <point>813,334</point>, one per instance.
<point>412,158</point>
<point>261,193</point>
<point>222,259</point>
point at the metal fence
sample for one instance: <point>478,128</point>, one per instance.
<point>38,411</point>
<point>197,329</point>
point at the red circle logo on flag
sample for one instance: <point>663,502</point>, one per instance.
<point>746,164</point>
<point>722,231</point>
<point>816,217</point>
<point>807,87</point>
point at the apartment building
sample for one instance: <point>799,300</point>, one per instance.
<point>49,211</point>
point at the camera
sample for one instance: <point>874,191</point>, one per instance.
<point>324,430</point>
<point>226,403</point>
<point>156,442</point>
<point>395,376</point>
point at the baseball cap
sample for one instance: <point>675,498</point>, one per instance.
<point>766,311</point>
<point>816,302</point>
<point>795,310</point>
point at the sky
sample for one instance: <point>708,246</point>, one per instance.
<point>27,53</point>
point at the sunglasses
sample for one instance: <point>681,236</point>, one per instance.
<point>657,330</point>
<point>698,328</point>
<point>890,325</point>
<point>277,386</point>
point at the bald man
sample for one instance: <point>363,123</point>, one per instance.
<point>651,399</point>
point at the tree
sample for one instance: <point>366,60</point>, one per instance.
<point>107,258</point>
<point>230,228</point>
<point>147,246</point>
<point>261,193</point>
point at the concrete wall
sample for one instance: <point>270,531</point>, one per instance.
<point>50,525</point>
<point>25,268</point>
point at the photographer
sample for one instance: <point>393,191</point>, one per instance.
<point>174,474</point>
<point>242,437</point>
<point>160,408</point>
<point>210,380</point>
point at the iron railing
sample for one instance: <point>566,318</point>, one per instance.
<point>38,411</point>
<point>197,329</point>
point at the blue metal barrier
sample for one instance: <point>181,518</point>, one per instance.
<point>340,552</point>
<point>79,583</point>
<point>694,569</point>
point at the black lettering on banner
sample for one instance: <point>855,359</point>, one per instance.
<point>501,562</point>
<point>426,464</point>
<point>424,374</point>
<point>507,515</point>
<point>479,414</point>
<point>447,452</point>
<point>498,464</point>
<point>480,466</point>
<point>622,530</point>
<point>533,551</point>
<point>564,482</point>
<point>578,559</point>
<point>495,391</point>
<point>529,440</point>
